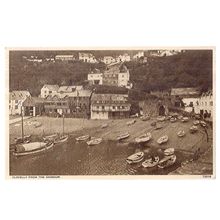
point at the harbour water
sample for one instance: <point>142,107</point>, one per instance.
<point>77,158</point>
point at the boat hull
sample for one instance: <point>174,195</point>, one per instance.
<point>36,151</point>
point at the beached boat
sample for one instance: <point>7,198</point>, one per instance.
<point>83,138</point>
<point>94,141</point>
<point>181,133</point>
<point>143,138</point>
<point>167,161</point>
<point>161,118</point>
<point>163,139</point>
<point>32,148</point>
<point>131,122</point>
<point>104,126</point>
<point>51,137</point>
<point>185,119</point>
<point>172,120</point>
<point>193,129</point>
<point>37,124</point>
<point>122,136</point>
<point>180,117</point>
<point>158,126</point>
<point>135,158</point>
<point>152,162</point>
<point>197,122</point>
<point>203,124</point>
<point>145,117</point>
<point>61,139</point>
<point>169,151</point>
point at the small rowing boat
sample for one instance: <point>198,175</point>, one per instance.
<point>172,120</point>
<point>197,122</point>
<point>158,126</point>
<point>135,158</point>
<point>131,122</point>
<point>185,119</point>
<point>181,133</point>
<point>162,139</point>
<point>83,138</point>
<point>169,151</point>
<point>167,161</point>
<point>145,117</point>
<point>143,138</point>
<point>193,129</point>
<point>37,124</point>
<point>104,126</point>
<point>122,136</point>
<point>94,141</point>
<point>61,139</point>
<point>203,124</point>
<point>161,118</point>
<point>152,162</point>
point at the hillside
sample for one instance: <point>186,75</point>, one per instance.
<point>189,69</point>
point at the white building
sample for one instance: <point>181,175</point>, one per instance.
<point>123,58</point>
<point>65,57</point>
<point>205,104</point>
<point>123,77</point>
<point>108,60</point>
<point>95,77</point>
<point>87,58</point>
<point>16,99</point>
<point>47,90</point>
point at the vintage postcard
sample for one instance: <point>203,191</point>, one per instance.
<point>110,112</point>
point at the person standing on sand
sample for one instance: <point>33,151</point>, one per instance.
<point>206,132</point>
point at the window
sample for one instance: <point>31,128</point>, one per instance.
<point>191,104</point>
<point>103,107</point>
<point>211,103</point>
<point>16,107</point>
<point>123,107</point>
<point>113,107</point>
<point>50,92</point>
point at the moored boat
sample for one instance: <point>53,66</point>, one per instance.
<point>135,158</point>
<point>193,129</point>
<point>167,161</point>
<point>32,148</point>
<point>37,124</point>
<point>172,120</point>
<point>185,119</point>
<point>145,117</point>
<point>196,122</point>
<point>161,118</point>
<point>122,136</point>
<point>61,139</point>
<point>104,126</point>
<point>94,141</point>
<point>131,122</point>
<point>83,138</point>
<point>162,139</point>
<point>152,162</point>
<point>158,126</point>
<point>143,138</point>
<point>203,124</point>
<point>169,151</point>
<point>181,133</point>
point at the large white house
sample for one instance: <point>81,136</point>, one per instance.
<point>123,58</point>
<point>87,58</point>
<point>16,99</point>
<point>95,77</point>
<point>205,104</point>
<point>108,60</point>
<point>138,55</point>
<point>47,90</point>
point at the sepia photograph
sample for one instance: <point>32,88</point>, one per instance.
<point>131,112</point>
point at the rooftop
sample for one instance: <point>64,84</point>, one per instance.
<point>19,95</point>
<point>185,92</point>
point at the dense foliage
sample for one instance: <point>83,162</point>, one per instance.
<point>188,69</point>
